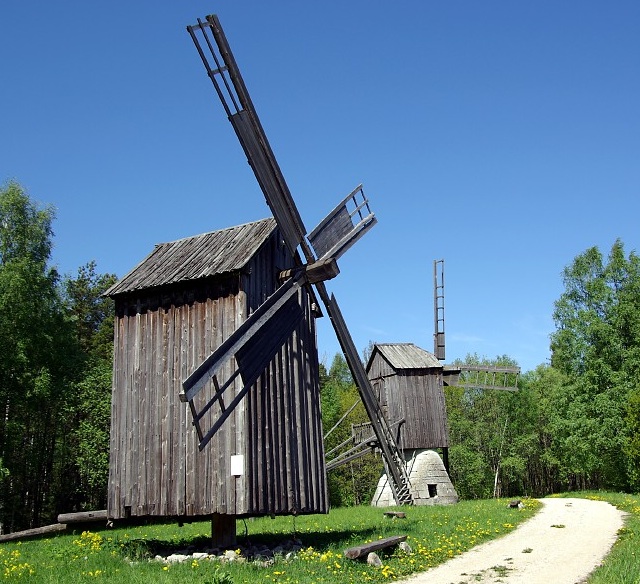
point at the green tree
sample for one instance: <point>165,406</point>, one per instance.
<point>491,432</point>
<point>632,449</point>
<point>597,346</point>
<point>88,407</point>
<point>35,339</point>
<point>354,482</point>
<point>91,311</point>
<point>543,397</point>
<point>55,373</point>
<point>90,437</point>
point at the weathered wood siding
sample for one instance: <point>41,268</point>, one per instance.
<point>284,446</point>
<point>161,335</point>
<point>416,396</point>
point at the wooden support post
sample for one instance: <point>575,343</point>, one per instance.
<point>223,530</point>
<point>360,551</point>
<point>445,459</point>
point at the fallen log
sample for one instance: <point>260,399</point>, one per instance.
<point>56,527</point>
<point>83,517</point>
<point>359,551</point>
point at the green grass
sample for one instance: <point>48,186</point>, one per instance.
<point>121,555</point>
<point>622,565</point>
<point>435,535</point>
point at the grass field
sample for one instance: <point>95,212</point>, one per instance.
<point>434,535</point>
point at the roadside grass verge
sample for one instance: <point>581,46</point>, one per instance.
<point>622,565</point>
<point>435,534</point>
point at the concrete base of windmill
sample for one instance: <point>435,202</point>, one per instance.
<point>430,483</point>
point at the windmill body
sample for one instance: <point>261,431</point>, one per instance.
<point>172,310</point>
<point>408,382</point>
<point>232,316</point>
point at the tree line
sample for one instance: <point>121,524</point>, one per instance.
<point>56,344</point>
<point>574,423</point>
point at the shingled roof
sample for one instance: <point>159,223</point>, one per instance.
<point>405,356</point>
<point>200,256</point>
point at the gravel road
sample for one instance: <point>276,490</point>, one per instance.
<point>562,544</point>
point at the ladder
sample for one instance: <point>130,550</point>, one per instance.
<point>438,309</point>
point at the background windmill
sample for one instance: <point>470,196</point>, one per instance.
<point>409,384</point>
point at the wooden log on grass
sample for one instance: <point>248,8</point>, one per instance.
<point>56,527</point>
<point>359,551</point>
<point>83,517</point>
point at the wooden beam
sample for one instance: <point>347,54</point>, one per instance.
<point>56,527</point>
<point>223,530</point>
<point>83,517</point>
<point>325,269</point>
<point>359,551</point>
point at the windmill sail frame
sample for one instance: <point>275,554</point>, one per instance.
<point>334,239</point>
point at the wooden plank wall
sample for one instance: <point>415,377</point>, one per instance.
<point>155,466</point>
<point>285,449</point>
<point>417,396</point>
<point>285,445</point>
<point>422,394</point>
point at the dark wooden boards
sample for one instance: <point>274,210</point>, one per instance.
<point>360,551</point>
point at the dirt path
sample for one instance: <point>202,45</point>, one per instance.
<point>562,544</point>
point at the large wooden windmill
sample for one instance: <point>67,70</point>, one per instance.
<point>246,353</point>
<point>225,321</point>
<point>215,401</point>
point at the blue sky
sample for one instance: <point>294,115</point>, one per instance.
<point>501,136</point>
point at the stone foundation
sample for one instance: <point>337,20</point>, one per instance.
<point>430,483</point>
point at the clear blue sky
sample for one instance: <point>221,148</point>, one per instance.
<point>501,136</point>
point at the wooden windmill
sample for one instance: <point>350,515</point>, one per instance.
<point>241,360</point>
<point>408,382</point>
<point>215,400</point>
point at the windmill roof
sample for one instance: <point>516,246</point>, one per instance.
<point>200,256</point>
<point>405,356</point>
